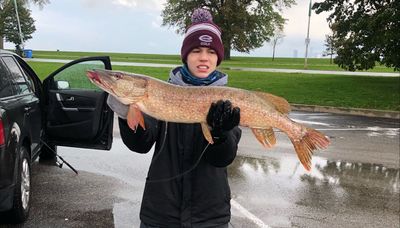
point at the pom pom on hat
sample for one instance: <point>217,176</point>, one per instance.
<point>202,33</point>
<point>201,15</point>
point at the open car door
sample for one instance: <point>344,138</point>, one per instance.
<point>77,114</point>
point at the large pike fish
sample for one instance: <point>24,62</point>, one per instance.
<point>261,112</point>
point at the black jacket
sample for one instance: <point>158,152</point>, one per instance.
<point>200,198</point>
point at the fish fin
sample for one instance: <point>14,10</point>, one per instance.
<point>265,136</point>
<point>311,141</point>
<point>141,121</point>
<point>135,117</point>
<point>207,133</point>
<point>281,104</point>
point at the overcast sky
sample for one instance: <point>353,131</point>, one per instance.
<point>134,26</point>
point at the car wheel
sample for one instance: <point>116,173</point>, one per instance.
<point>48,153</point>
<point>21,203</point>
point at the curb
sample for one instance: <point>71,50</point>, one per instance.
<point>347,111</point>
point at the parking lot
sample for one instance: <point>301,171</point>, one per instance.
<point>354,183</point>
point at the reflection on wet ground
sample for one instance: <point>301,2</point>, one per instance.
<point>330,187</point>
<point>323,171</point>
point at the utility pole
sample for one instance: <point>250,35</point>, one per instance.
<point>19,24</point>
<point>308,36</point>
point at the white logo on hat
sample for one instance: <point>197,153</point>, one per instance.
<point>206,38</point>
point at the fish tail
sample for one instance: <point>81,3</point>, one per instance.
<point>311,140</point>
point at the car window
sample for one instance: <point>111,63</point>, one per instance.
<point>29,80</point>
<point>74,77</point>
<point>5,85</point>
<point>21,86</point>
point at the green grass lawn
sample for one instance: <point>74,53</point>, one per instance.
<point>328,90</point>
<point>256,62</point>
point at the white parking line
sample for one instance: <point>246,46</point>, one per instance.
<point>310,122</point>
<point>311,114</point>
<point>248,214</point>
<point>358,129</point>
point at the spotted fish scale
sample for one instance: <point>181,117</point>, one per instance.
<point>261,112</point>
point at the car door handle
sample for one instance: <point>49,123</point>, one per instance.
<point>70,99</point>
<point>60,98</point>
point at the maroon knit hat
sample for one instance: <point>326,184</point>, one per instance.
<point>202,33</point>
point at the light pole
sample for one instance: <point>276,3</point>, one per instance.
<point>19,24</point>
<point>308,36</point>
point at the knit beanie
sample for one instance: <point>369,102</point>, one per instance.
<point>202,33</point>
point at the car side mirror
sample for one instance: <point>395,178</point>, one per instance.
<point>62,84</point>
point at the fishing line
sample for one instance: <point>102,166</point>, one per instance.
<point>155,157</point>
<point>181,174</point>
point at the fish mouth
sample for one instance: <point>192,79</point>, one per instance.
<point>105,79</point>
<point>97,78</point>
<point>93,76</point>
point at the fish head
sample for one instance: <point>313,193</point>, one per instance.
<point>126,87</point>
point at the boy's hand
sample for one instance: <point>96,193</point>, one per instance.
<point>222,117</point>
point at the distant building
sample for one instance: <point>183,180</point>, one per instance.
<point>295,53</point>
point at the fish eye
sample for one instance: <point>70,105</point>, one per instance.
<point>118,75</point>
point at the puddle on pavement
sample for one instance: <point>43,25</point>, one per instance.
<point>278,190</point>
<point>378,131</point>
<point>335,173</point>
<point>284,185</point>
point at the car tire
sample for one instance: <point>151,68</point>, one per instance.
<point>48,153</point>
<point>21,201</point>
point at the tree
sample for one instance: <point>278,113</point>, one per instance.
<point>245,25</point>
<point>9,27</point>
<point>276,39</point>
<point>40,3</point>
<point>330,47</point>
<point>365,32</point>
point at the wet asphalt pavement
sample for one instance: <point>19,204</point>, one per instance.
<point>354,183</point>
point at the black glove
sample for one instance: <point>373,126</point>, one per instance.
<point>222,118</point>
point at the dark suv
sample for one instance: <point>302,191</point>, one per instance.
<point>63,110</point>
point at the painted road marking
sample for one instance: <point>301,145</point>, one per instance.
<point>248,214</point>
<point>311,114</point>
<point>358,129</point>
<point>310,122</point>
<point>353,129</point>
